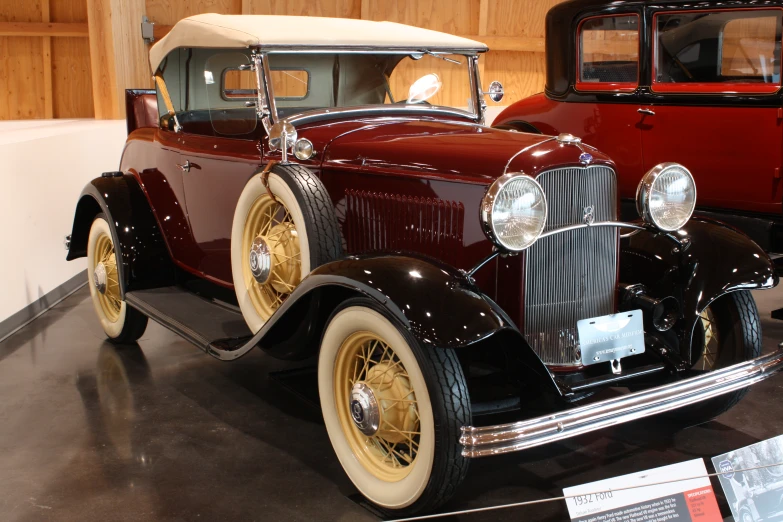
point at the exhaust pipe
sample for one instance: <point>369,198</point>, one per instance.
<point>659,313</point>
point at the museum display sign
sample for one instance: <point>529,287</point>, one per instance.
<point>326,188</point>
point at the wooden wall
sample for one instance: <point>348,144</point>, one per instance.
<point>51,64</point>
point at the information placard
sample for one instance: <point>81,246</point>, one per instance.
<point>751,480</point>
<point>655,495</point>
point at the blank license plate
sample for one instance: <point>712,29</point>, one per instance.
<point>609,337</point>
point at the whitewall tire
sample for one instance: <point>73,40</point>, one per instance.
<point>412,462</point>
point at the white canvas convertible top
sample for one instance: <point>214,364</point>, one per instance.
<point>242,31</point>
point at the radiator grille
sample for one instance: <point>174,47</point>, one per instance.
<point>390,222</point>
<point>572,275</point>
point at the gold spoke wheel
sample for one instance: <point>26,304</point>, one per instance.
<point>105,262</point>
<point>709,353</point>
<point>376,405</point>
<point>271,256</point>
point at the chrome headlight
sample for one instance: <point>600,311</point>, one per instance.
<point>514,211</point>
<point>666,196</point>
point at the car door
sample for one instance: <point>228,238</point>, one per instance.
<point>607,79</point>
<point>220,152</point>
<point>718,76</point>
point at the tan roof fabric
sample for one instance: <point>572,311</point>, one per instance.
<point>242,31</point>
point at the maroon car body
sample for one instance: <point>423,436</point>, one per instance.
<point>457,254</point>
<point>672,82</point>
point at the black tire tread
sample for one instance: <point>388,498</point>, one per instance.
<point>456,412</point>
<point>326,244</point>
<point>741,306</point>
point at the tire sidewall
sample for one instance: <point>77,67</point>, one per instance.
<point>391,495</point>
<point>280,187</point>
<point>100,226</point>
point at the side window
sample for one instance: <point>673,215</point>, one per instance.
<point>720,51</point>
<point>290,84</point>
<point>608,53</point>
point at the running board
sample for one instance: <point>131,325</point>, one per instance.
<point>517,436</point>
<point>203,322</point>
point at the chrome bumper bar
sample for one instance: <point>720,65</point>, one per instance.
<point>517,436</point>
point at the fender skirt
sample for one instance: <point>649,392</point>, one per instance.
<point>135,233</point>
<point>698,264</point>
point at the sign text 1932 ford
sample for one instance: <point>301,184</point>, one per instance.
<point>339,196</point>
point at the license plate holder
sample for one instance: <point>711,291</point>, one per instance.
<point>611,337</point>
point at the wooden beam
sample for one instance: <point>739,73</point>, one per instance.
<point>43,29</point>
<point>47,64</point>
<point>118,56</point>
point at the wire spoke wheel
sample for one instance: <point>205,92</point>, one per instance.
<point>110,299</point>
<point>389,445</point>
<point>271,256</point>
<point>710,350</point>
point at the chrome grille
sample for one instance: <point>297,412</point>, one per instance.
<point>572,275</point>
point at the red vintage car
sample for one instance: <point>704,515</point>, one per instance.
<point>326,188</point>
<point>698,84</point>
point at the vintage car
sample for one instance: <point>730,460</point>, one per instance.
<point>339,198</point>
<point>647,82</point>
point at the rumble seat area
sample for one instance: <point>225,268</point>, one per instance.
<point>141,109</point>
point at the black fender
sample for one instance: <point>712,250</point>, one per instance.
<point>438,304</point>
<point>145,260</point>
<point>701,262</point>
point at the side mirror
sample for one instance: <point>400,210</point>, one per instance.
<point>495,91</point>
<point>282,136</point>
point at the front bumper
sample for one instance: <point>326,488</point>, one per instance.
<point>516,436</point>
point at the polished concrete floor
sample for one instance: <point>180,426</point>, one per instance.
<point>161,431</point>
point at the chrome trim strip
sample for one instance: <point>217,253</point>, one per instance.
<point>569,228</point>
<point>517,436</point>
<point>376,110</point>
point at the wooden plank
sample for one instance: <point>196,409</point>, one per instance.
<point>104,74</point>
<point>365,10</point>
<point>511,43</point>
<point>482,31</point>
<point>47,64</point>
<point>71,79</point>
<point>43,29</point>
<point>169,12</point>
<point>21,65</point>
<point>332,8</point>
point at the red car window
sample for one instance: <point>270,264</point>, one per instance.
<point>608,53</point>
<point>718,51</point>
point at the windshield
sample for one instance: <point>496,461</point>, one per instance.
<point>304,82</point>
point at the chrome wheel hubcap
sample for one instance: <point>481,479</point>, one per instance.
<point>260,260</point>
<point>365,412</point>
<point>99,276</point>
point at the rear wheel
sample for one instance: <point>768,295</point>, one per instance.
<point>120,322</point>
<point>727,332</point>
<point>393,410</point>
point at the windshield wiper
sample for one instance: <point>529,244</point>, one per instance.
<point>441,57</point>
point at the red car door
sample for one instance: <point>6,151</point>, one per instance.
<point>719,76</point>
<point>219,168</point>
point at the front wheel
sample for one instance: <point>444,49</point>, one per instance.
<point>727,332</point>
<point>393,410</point>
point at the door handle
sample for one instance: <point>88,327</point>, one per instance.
<point>648,112</point>
<point>185,167</point>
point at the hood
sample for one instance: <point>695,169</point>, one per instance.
<point>444,149</point>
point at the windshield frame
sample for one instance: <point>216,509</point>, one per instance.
<point>266,99</point>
